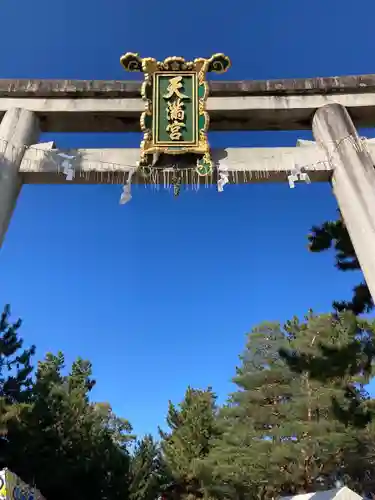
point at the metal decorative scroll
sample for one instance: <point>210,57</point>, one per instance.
<point>175,120</point>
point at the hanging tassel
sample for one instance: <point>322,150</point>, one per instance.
<point>176,182</point>
<point>292,178</point>
<point>223,178</point>
<point>177,187</point>
<point>126,194</point>
<point>67,166</point>
<point>296,174</point>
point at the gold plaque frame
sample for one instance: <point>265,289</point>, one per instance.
<point>151,68</point>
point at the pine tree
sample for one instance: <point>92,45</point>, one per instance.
<point>341,362</point>
<point>74,444</point>
<point>334,234</point>
<point>15,378</point>
<point>280,431</point>
<point>147,470</point>
<point>242,459</point>
<point>192,427</point>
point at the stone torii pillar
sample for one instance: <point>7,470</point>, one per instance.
<point>18,128</point>
<point>353,181</point>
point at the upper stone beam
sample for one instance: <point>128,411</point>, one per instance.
<point>115,106</point>
<point>128,89</point>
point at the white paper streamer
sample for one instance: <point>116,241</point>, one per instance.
<point>126,194</point>
<point>223,178</point>
<point>67,166</point>
<point>296,174</point>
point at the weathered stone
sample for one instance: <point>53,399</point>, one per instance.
<point>353,181</point>
<point>109,166</point>
<point>115,106</point>
<point>241,88</point>
<point>18,129</point>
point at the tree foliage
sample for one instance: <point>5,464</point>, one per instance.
<point>148,471</point>
<point>78,448</point>
<point>334,235</point>
<point>192,424</point>
<point>281,434</point>
<point>15,371</point>
<point>299,420</point>
<point>52,434</point>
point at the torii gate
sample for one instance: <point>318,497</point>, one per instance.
<point>332,107</point>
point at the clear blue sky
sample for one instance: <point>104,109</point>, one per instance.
<point>159,293</point>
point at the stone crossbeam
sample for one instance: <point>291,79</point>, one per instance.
<point>112,165</point>
<point>115,106</point>
<point>108,166</point>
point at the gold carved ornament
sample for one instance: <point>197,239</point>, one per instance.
<point>175,109</point>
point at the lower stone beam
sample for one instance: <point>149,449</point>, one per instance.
<point>43,165</point>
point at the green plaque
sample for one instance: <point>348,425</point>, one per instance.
<point>175,120</point>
